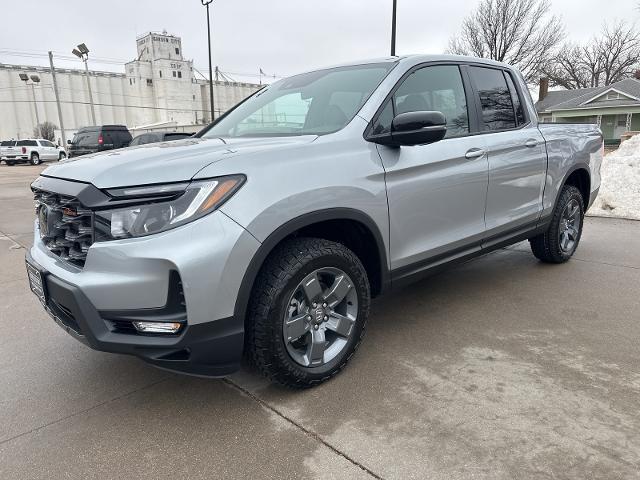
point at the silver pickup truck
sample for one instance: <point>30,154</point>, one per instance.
<point>270,231</point>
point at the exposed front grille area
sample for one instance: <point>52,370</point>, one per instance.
<point>65,225</point>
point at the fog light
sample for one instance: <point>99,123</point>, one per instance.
<point>157,327</point>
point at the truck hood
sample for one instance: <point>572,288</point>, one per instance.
<point>164,162</point>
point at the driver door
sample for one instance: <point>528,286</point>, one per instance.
<point>436,192</point>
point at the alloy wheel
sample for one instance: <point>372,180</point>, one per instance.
<point>320,317</point>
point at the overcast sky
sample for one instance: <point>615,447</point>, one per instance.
<point>280,36</point>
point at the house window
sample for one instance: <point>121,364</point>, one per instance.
<point>149,82</point>
<point>179,74</point>
<point>622,120</point>
<point>613,96</point>
<point>177,51</point>
<point>160,72</point>
<point>174,73</point>
<point>130,83</point>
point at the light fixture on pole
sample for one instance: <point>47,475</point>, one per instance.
<point>82,52</point>
<point>206,4</point>
<point>34,79</point>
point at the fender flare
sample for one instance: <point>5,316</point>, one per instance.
<point>305,220</point>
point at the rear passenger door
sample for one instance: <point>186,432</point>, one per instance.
<point>48,151</point>
<point>516,153</point>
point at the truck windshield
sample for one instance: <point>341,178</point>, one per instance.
<point>313,103</point>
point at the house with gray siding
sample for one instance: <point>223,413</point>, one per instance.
<point>615,108</point>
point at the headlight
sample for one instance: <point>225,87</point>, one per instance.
<point>188,202</point>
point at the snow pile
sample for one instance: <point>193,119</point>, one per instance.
<point>620,189</point>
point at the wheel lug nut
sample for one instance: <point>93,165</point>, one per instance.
<point>324,305</point>
<point>314,305</point>
<point>308,317</point>
<point>316,327</point>
<point>326,318</point>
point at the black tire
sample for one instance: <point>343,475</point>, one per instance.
<point>62,156</point>
<point>546,246</point>
<point>10,163</point>
<point>35,159</point>
<point>282,272</point>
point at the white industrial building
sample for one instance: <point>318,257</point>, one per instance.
<point>157,90</point>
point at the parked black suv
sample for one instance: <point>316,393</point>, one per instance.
<point>155,137</point>
<point>99,138</point>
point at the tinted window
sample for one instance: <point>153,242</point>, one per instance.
<point>176,136</point>
<point>383,122</point>
<point>8,143</point>
<point>46,143</point>
<point>27,143</point>
<point>517,102</point>
<point>84,139</point>
<point>495,99</point>
<point>437,88</point>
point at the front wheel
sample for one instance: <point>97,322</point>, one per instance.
<point>308,311</point>
<point>35,159</point>
<point>560,241</point>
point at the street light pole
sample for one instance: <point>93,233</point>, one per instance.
<point>34,79</point>
<point>35,105</point>
<point>393,29</point>
<point>206,4</point>
<point>82,52</point>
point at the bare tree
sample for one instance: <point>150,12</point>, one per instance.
<point>46,130</point>
<point>606,59</point>
<point>519,32</point>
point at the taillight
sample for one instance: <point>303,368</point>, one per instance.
<point>100,140</point>
<point>24,149</point>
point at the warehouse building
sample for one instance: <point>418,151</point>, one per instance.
<point>157,91</point>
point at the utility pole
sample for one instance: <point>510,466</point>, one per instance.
<point>55,91</point>
<point>206,4</point>
<point>393,29</point>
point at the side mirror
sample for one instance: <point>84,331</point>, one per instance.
<point>414,128</point>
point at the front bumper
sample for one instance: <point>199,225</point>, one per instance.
<point>133,276</point>
<point>212,349</point>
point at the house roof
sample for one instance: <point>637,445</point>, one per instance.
<point>629,90</point>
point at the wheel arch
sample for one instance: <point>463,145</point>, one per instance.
<point>304,225</point>
<point>579,175</point>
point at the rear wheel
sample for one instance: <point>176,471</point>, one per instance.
<point>308,311</point>
<point>62,156</point>
<point>9,163</point>
<point>560,241</point>
<point>35,159</point>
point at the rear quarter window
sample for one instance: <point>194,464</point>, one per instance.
<point>27,143</point>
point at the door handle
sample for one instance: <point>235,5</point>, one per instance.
<point>531,143</point>
<point>474,153</point>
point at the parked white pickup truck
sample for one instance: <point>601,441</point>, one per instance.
<point>32,150</point>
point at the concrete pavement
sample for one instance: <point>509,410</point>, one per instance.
<point>499,368</point>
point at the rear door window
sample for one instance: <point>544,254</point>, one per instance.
<point>518,105</point>
<point>85,139</point>
<point>495,99</point>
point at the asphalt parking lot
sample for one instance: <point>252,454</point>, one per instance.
<point>502,368</point>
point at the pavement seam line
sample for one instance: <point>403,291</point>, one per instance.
<point>307,432</point>
<point>75,414</point>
